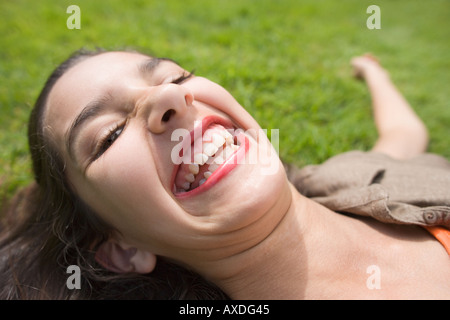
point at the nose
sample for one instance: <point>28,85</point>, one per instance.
<point>164,104</point>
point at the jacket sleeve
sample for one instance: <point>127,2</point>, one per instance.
<point>415,191</point>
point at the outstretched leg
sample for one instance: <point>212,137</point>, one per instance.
<point>401,133</point>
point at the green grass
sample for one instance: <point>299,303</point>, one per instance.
<point>287,62</point>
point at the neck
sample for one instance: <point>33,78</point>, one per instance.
<point>266,270</point>
<point>296,258</point>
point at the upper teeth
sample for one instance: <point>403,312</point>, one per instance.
<point>218,140</point>
<point>193,168</point>
<point>200,158</point>
<point>213,139</point>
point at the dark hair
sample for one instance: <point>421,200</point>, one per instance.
<point>47,228</point>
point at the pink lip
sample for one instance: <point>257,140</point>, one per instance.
<point>226,167</point>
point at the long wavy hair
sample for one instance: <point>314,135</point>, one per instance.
<point>46,228</point>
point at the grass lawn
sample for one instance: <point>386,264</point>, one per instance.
<point>286,61</point>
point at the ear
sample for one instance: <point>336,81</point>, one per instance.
<point>120,258</point>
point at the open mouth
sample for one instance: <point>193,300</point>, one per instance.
<point>209,157</point>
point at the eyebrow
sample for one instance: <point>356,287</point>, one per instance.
<point>148,66</point>
<point>98,106</point>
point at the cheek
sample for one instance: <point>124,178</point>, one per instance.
<point>124,188</point>
<point>127,167</point>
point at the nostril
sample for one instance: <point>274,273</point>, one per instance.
<point>167,115</point>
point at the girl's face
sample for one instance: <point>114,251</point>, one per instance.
<point>123,122</point>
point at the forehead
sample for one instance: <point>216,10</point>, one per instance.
<point>92,74</point>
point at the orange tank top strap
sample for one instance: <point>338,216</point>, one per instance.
<point>442,235</point>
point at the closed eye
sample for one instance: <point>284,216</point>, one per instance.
<point>108,140</point>
<point>183,77</point>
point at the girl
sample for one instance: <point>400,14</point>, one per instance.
<point>111,196</point>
